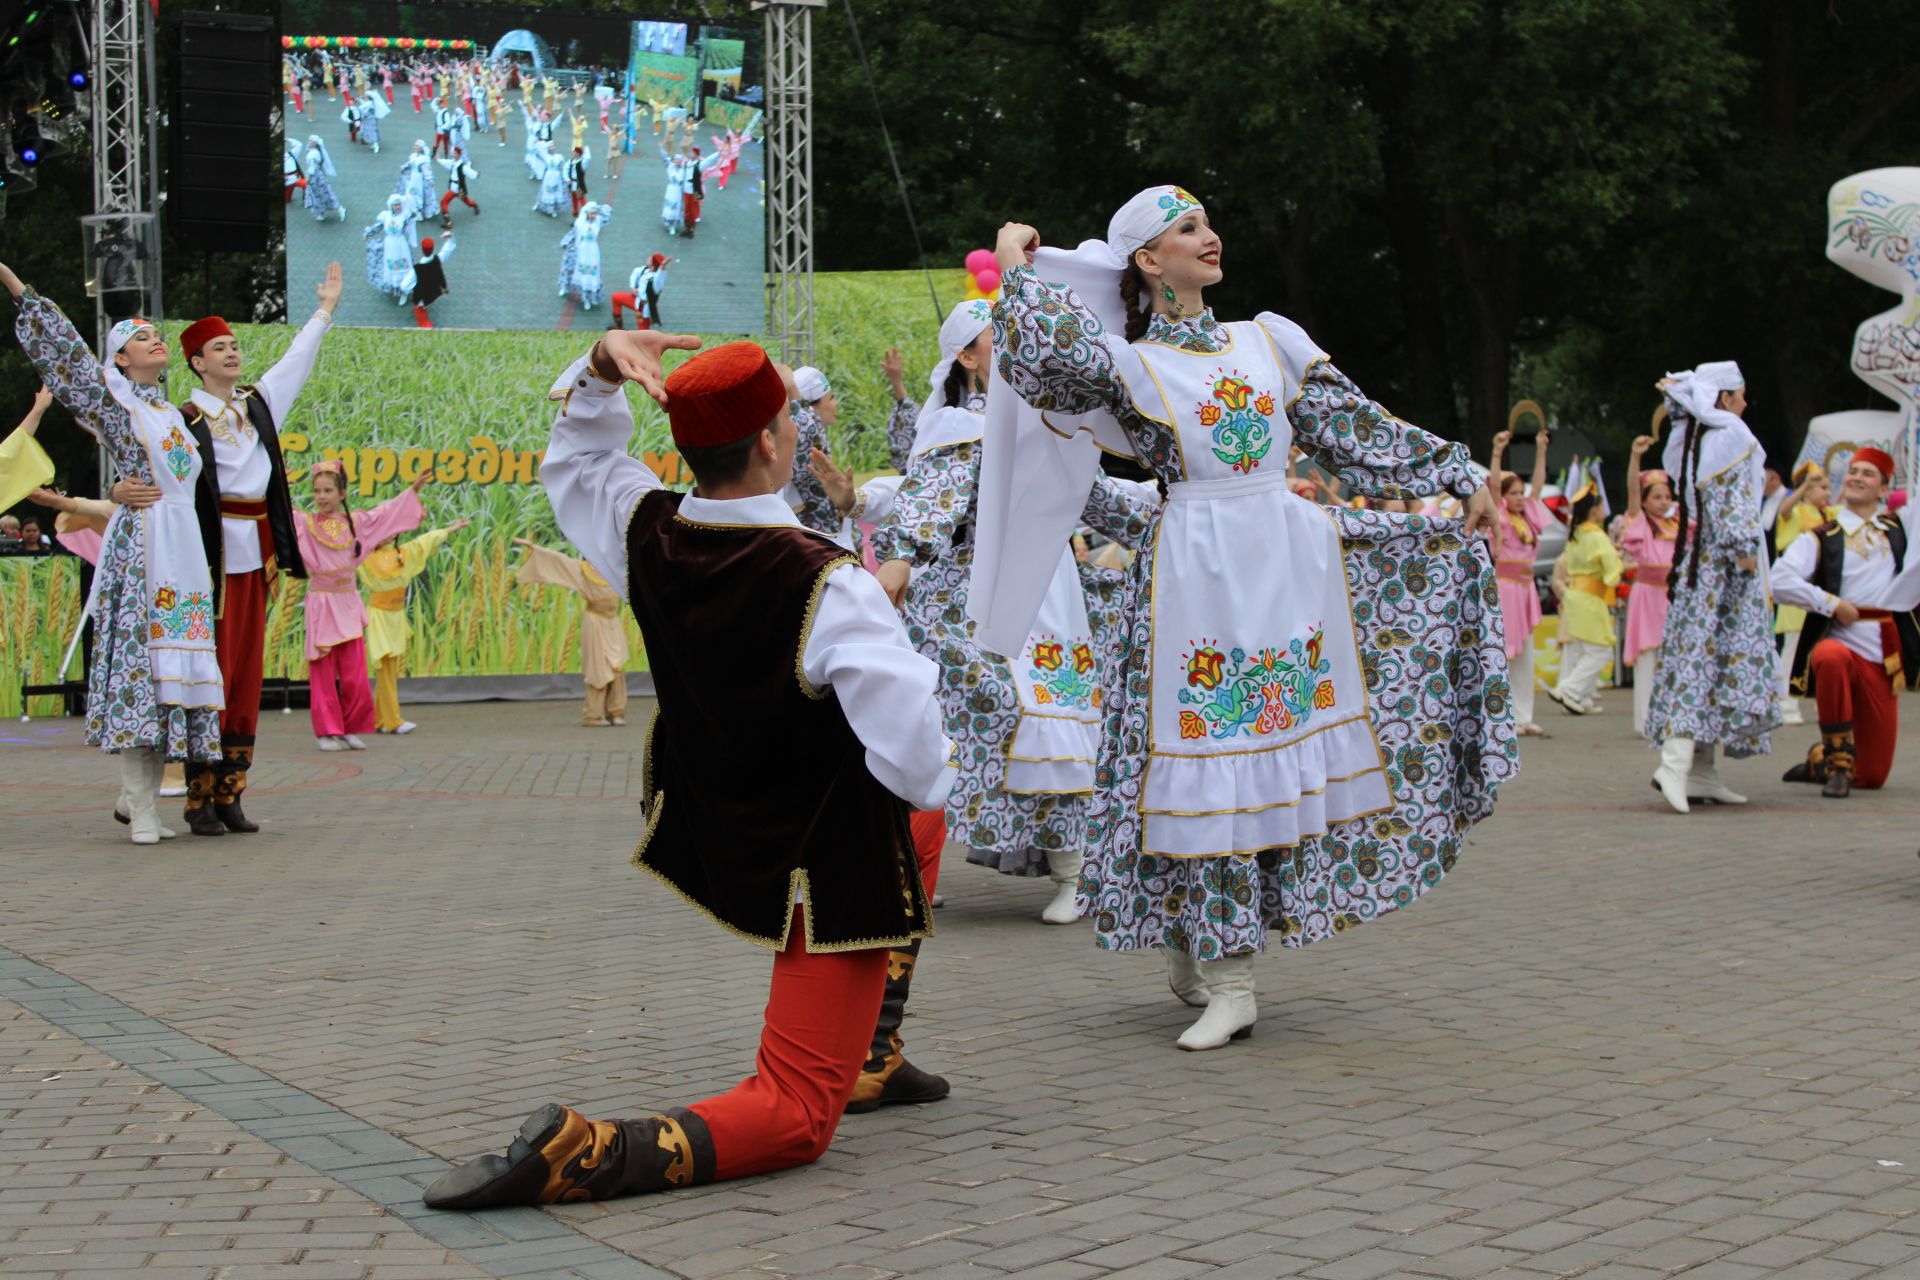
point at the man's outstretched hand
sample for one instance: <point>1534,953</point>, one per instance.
<point>637,356</point>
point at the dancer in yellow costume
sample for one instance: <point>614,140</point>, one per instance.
<point>385,574</point>
<point>603,634</point>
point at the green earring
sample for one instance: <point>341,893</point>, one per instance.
<point>1173,303</point>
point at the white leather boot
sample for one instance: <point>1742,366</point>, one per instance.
<point>1676,762</point>
<point>140,782</point>
<point>1064,870</point>
<point>1703,781</point>
<point>1185,978</point>
<point>1230,1010</point>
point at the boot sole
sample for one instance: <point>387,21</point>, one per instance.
<point>874,1104</point>
<point>1244,1033</point>
<point>493,1181</point>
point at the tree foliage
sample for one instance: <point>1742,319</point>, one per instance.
<point>1466,201</point>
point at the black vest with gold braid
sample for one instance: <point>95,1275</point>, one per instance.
<point>755,782</point>
<point>1828,567</point>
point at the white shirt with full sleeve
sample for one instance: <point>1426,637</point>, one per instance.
<point>244,467</point>
<point>857,647</point>
<point>1867,579</point>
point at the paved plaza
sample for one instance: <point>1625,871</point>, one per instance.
<point>1615,1043</point>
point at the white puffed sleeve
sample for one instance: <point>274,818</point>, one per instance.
<point>592,482</point>
<point>886,689</point>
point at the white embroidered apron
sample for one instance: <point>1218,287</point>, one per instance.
<point>1258,722</point>
<point>1058,681</point>
<point>180,609</point>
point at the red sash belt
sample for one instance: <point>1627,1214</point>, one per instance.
<point>1889,640</point>
<point>1651,575</point>
<point>254,509</point>
<point>1513,570</point>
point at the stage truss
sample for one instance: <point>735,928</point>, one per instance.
<point>126,108</point>
<point>789,143</point>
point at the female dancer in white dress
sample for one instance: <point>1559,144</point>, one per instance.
<point>321,200</point>
<point>1305,708</point>
<point>580,263</point>
<point>417,181</point>
<point>390,239</point>
<point>1026,724</point>
<point>154,691</point>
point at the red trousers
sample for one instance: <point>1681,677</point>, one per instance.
<point>240,638</point>
<point>819,1026</point>
<point>448,196</point>
<point>341,695</point>
<point>1849,690</point>
<point>625,300</point>
<point>579,199</point>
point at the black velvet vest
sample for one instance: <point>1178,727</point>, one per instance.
<point>755,782</point>
<point>1828,567</point>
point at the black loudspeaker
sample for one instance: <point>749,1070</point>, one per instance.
<point>222,181</point>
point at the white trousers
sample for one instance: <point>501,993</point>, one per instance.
<point>1643,664</point>
<point>1787,650</point>
<point>1580,667</point>
<point>1520,678</point>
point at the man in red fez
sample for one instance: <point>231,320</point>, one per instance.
<point>796,729</point>
<point>1859,585</point>
<point>236,425</point>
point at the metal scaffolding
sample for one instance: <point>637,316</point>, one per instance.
<point>122,241</point>
<point>790,178</point>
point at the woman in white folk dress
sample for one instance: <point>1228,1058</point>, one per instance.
<point>1305,709</point>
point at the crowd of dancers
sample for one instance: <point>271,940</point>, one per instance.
<point>472,98</point>
<point>1256,719</point>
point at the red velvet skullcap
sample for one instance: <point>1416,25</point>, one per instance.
<point>1878,457</point>
<point>200,333</point>
<point>426,245</point>
<point>723,395</point>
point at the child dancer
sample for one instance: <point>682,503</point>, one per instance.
<point>1516,539</point>
<point>1648,542</point>
<point>333,542</point>
<point>1586,617</point>
<point>385,575</point>
<point>603,637</point>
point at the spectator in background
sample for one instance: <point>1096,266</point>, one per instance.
<point>32,540</point>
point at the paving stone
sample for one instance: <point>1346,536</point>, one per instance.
<point>1556,1064</point>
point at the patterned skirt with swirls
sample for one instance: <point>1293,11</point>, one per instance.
<point>1011,833</point>
<point>1427,615</point>
<point>123,712</point>
<point>1715,682</point>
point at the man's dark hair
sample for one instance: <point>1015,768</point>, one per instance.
<point>720,463</point>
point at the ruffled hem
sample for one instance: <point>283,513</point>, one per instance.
<point>1218,805</point>
<point>1052,755</point>
<point>187,678</point>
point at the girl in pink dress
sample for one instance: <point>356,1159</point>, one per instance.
<point>333,542</point>
<point>1647,543</point>
<point>1515,539</point>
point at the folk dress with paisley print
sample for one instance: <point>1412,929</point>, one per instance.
<point>1305,708</point>
<point>155,678</point>
<point>1025,725</point>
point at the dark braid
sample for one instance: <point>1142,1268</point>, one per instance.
<point>1689,463</point>
<point>959,383</point>
<point>1132,286</point>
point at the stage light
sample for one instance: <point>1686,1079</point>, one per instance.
<point>78,79</point>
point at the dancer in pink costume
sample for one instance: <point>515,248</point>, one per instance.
<point>1516,538</point>
<point>333,542</point>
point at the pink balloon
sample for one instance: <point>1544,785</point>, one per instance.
<point>979,260</point>
<point>988,280</point>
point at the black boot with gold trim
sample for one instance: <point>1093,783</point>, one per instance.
<point>236,757</point>
<point>1839,753</point>
<point>559,1155</point>
<point>1814,768</point>
<point>201,819</point>
<point>887,1077</point>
